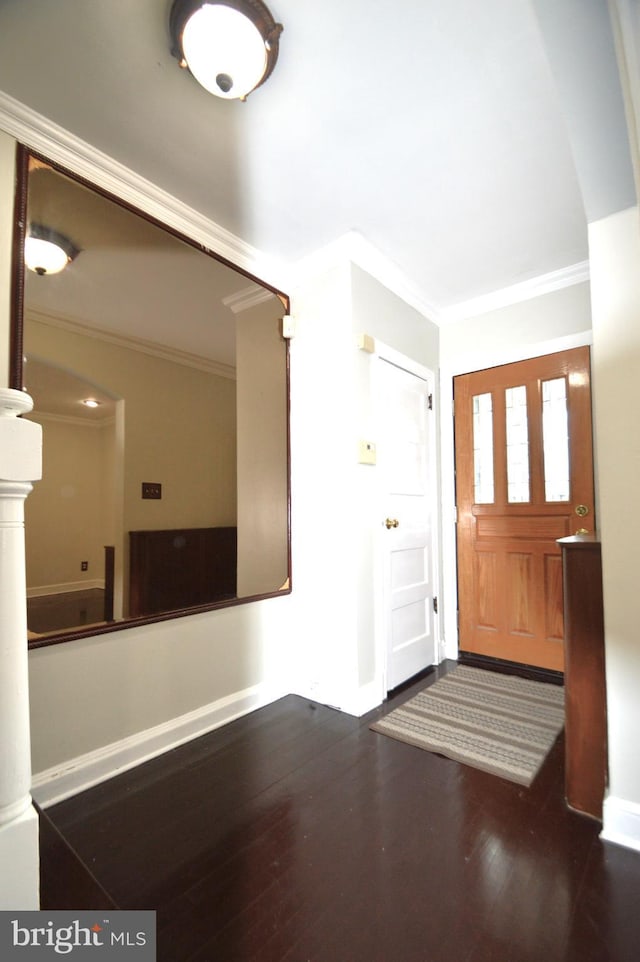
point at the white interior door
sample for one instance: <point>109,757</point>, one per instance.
<point>407,528</point>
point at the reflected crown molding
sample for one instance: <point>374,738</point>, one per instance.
<point>38,133</point>
<point>76,326</point>
<point>247,298</point>
<point>43,416</point>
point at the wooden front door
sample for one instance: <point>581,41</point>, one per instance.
<point>524,478</point>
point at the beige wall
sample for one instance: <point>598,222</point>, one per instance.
<point>179,427</point>
<point>67,513</point>
<point>179,430</point>
<point>261,386</point>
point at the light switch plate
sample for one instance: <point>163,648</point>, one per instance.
<point>366,452</point>
<point>288,326</point>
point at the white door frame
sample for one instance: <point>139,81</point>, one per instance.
<point>467,364</point>
<point>382,352</point>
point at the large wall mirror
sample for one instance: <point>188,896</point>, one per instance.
<point>160,376</point>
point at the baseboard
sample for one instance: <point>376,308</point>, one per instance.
<point>64,588</point>
<point>621,822</point>
<point>357,703</point>
<point>77,774</point>
<point>511,668</point>
<point>410,682</point>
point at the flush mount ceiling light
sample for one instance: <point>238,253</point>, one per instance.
<point>230,46</point>
<point>46,251</point>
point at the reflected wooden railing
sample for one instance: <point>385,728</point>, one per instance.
<point>109,580</point>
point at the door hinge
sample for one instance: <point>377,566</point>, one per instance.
<point>430,402</point>
<point>435,605</point>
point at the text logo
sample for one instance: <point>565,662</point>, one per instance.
<point>78,935</point>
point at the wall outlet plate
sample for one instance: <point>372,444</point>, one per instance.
<point>150,489</point>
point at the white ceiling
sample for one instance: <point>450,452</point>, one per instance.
<point>431,127</point>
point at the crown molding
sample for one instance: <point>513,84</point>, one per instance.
<point>40,134</point>
<point>247,298</point>
<point>174,355</point>
<point>44,136</point>
<point>91,423</point>
<point>516,293</point>
<point>353,247</point>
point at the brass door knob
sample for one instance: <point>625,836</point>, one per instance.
<point>392,523</point>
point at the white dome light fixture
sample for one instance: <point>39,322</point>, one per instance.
<point>229,46</point>
<point>46,251</point>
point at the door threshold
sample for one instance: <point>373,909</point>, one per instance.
<point>411,681</point>
<point>531,672</point>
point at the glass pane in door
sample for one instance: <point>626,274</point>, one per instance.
<point>483,449</point>
<point>555,439</point>
<point>517,444</point>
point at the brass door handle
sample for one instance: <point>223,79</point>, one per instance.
<point>392,523</point>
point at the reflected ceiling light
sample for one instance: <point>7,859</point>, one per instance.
<point>46,251</point>
<point>91,402</point>
<point>230,46</point>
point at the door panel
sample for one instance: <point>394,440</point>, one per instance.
<point>554,624</point>
<point>524,464</point>
<point>406,498</point>
<point>519,593</point>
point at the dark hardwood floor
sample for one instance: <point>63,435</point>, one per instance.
<point>296,834</point>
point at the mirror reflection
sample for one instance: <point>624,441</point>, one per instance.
<point>159,375</point>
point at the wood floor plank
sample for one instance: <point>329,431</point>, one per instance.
<point>58,860</point>
<point>297,834</point>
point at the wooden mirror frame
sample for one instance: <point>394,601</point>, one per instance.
<point>17,370</point>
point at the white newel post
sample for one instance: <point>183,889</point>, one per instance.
<point>20,464</point>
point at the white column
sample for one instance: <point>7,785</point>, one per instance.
<point>20,464</point>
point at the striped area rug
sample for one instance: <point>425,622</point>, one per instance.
<point>498,723</point>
